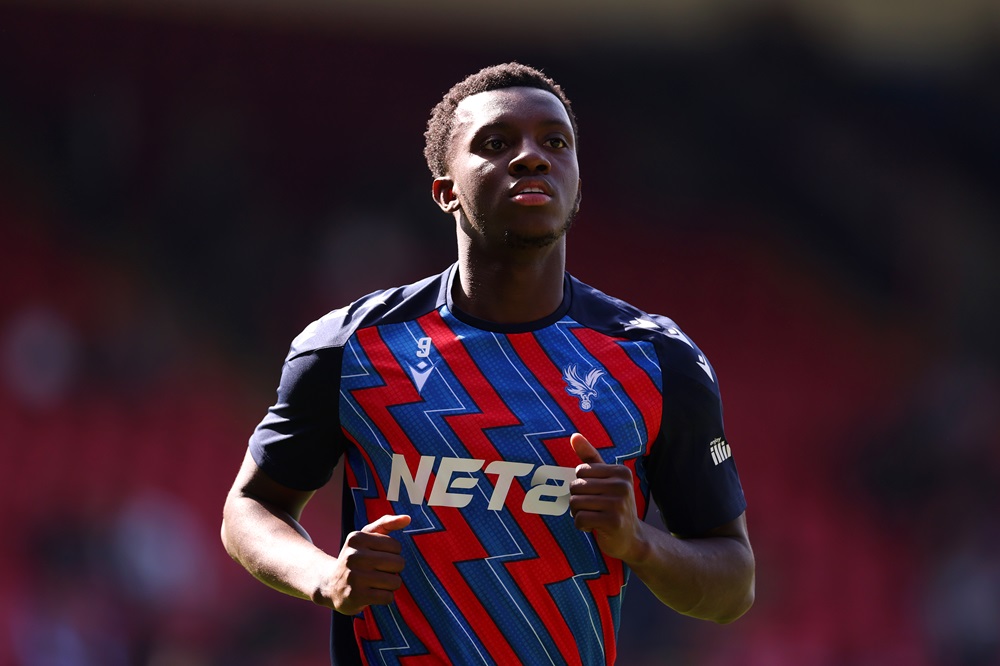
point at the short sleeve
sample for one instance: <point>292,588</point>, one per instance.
<point>299,441</point>
<point>690,469</point>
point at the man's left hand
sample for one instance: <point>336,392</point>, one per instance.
<point>602,501</point>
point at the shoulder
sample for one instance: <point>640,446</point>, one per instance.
<point>677,352</point>
<point>394,305</point>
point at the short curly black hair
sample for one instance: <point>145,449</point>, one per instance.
<point>497,77</point>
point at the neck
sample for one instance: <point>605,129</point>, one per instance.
<point>507,292</point>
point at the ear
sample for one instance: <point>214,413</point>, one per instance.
<point>445,195</point>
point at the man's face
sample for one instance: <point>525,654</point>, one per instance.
<point>512,168</point>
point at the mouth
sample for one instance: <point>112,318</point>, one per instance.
<point>531,193</point>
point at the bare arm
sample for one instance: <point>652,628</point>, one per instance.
<point>260,530</point>
<point>709,577</point>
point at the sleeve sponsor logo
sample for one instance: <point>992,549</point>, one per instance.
<point>720,450</point>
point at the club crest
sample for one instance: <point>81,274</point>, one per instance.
<point>585,388</point>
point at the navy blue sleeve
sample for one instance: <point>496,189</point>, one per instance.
<point>300,440</point>
<point>690,468</point>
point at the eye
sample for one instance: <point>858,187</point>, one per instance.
<point>557,142</point>
<point>494,144</point>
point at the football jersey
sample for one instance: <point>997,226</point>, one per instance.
<point>464,425</point>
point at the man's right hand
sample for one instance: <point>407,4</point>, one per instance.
<point>368,567</point>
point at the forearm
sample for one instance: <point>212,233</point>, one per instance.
<point>710,578</point>
<point>274,548</point>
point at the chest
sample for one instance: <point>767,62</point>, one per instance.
<point>437,387</point>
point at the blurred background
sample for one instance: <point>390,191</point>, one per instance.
<point>808,188</point>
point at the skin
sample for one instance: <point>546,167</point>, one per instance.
<point>511,262</point>
<point>710,577</point>
<point>511,253</point>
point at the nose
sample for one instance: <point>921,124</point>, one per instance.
<point>530,159</point>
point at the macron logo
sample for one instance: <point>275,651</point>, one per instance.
<point>420,374</point>
<point>720,451</point>
<point>643,323</point>
<point>703,364</point>
<point>545,498</point>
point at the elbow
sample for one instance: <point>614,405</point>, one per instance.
<point>743,597</point>
<point>738,609</point>
<point>224,537</point>
<point>727,605</point>
<point>225,531</point>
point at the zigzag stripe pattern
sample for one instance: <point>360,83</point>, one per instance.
<point>524,581</point>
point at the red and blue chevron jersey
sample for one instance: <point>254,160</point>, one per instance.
<point>464,425</point>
